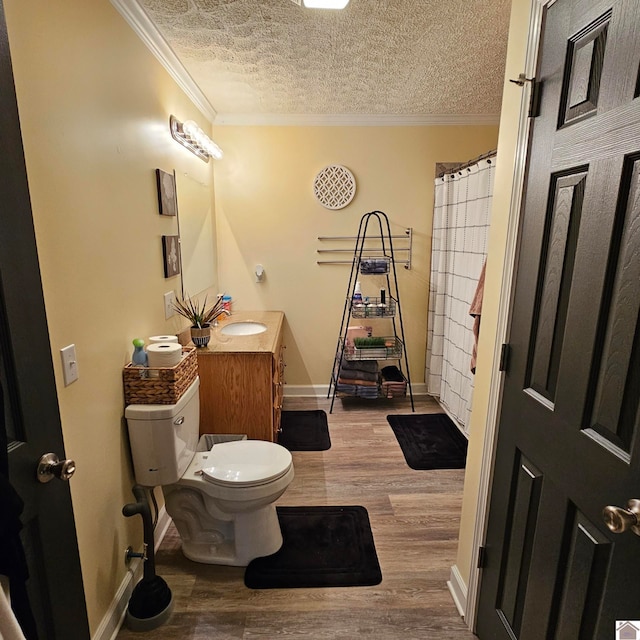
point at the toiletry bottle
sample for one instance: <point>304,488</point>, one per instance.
<point>139,357</point>
<point>226,303</point>
<point>383,302</point>
<point>357,295</point>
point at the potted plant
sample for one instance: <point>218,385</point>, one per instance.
<point>200,316</point>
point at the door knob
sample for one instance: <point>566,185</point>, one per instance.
<point>49,467</point>
<point>620,520</point>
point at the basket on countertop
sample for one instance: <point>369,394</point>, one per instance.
<point>160,385</point>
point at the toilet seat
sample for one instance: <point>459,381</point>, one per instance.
<point>245,463</point>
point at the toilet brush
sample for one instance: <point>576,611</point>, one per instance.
<point>151,601</point>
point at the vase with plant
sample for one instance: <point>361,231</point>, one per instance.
<point>201,315</point>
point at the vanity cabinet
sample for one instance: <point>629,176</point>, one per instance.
<point>241,379</point>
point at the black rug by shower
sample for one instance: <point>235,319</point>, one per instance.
<point>323,547</point>
<point>430,441</point>
<point>304,431</point>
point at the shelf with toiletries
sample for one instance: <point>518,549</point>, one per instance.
<point>356,371</point>
<point>377,307</point>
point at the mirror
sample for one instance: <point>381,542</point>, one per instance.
<point>197,234</point>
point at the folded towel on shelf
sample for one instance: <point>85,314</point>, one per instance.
<point>357,390</point>
<point>346,388</point>
<point>353,374</point>
<point>400,391</point>
<point>394,384</point>
<point>392,374</point>
<point>366,383</point>
<point>367,366</point>
<point>387,393</point>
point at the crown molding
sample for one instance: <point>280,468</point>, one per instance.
<point>140,22</point>
<point>353,120</point>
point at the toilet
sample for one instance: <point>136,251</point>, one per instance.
<point>221,500</point>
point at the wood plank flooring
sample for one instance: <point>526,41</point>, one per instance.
<point>414,517</point>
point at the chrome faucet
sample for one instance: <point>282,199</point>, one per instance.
<point>225,311</point>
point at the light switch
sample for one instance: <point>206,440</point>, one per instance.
<point>69,364</point>
<point>169,301</point>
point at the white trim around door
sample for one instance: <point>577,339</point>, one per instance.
<point>504,313</point>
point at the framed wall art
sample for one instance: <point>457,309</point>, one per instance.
<point>334,187</point>
<point>167,200</point>
<point>171,254</point>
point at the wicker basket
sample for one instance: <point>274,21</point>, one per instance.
<point>160,385</point>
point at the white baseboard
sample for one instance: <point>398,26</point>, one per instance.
<point>320,390</point>
<point>164,520</point>
<point>114,617</point>
<point>305,390</point>
<point>458,590</point>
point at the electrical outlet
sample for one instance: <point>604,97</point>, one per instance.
<point>169,300</point>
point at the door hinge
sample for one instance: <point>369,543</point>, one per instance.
<point>534,102</point>
<point>482,557</point>
<point>505,351</point>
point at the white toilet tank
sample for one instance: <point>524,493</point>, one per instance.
<point>164,437</point>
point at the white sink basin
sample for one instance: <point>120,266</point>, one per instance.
<point>248,328</point>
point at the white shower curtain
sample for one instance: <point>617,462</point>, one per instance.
<point>459,248</point>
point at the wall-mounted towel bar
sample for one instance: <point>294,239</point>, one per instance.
<point>380,248</point>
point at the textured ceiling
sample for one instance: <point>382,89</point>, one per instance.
<point>376,57</point>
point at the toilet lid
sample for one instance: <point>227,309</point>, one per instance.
<point>246,462</point>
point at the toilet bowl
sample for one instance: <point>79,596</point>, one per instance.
<point>222,500</point>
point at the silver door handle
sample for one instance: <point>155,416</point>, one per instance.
<point>49,467</point>
<point>620,520</point>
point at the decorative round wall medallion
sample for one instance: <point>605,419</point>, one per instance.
<point>334,186</point>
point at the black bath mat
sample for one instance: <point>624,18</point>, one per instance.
<point>304,431</point>
<point>323,547</point>
<point>430,441</point>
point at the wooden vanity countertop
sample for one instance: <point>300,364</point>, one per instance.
<point>258,343</point>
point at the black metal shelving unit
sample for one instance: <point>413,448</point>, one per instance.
<point>366,262</point>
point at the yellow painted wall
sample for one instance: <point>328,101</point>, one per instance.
<point>516,55</point>
<point>94,107</point>
<point>267,213</point>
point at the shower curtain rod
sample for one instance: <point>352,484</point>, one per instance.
<point>465,165</point>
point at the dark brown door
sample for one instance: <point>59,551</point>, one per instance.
<point>568,440</point>
<point>31,419</point>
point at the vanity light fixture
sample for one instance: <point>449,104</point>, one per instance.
<point>322,4</point>
<point>191,136</point>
